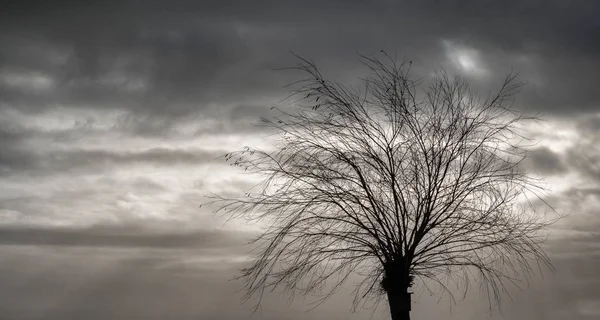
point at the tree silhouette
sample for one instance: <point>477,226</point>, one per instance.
<point>378,182</point>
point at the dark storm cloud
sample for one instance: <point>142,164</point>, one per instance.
<point>178,56</point>
<point>126,55</point>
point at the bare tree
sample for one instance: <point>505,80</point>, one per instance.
<point>378,182</point>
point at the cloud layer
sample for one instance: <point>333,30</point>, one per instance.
<point>113,116</point>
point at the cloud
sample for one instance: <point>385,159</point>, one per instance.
<point>584,155</point>
<point>196,54</point>
<point>86,160</point>
<point>123,236</point>
<point>544,161</point>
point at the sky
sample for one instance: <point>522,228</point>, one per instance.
<point>113,115</point>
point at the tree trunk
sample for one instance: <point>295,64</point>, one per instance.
<point>399,301</point>
<point>396,282</point>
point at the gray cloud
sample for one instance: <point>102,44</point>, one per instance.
<point>54,162</point>
<point>122,236</point>
<point>584,155</point>
<point>585,162</point>
<point>543,160</point>
<point>194,54</point>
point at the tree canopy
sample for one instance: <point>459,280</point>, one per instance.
<point>394,181</point>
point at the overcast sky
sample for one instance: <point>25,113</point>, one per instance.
<point>112,115</point>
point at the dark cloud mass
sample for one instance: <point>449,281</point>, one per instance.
<point>544,161</point>
<point>113,115</point>
<point>143,56</point>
